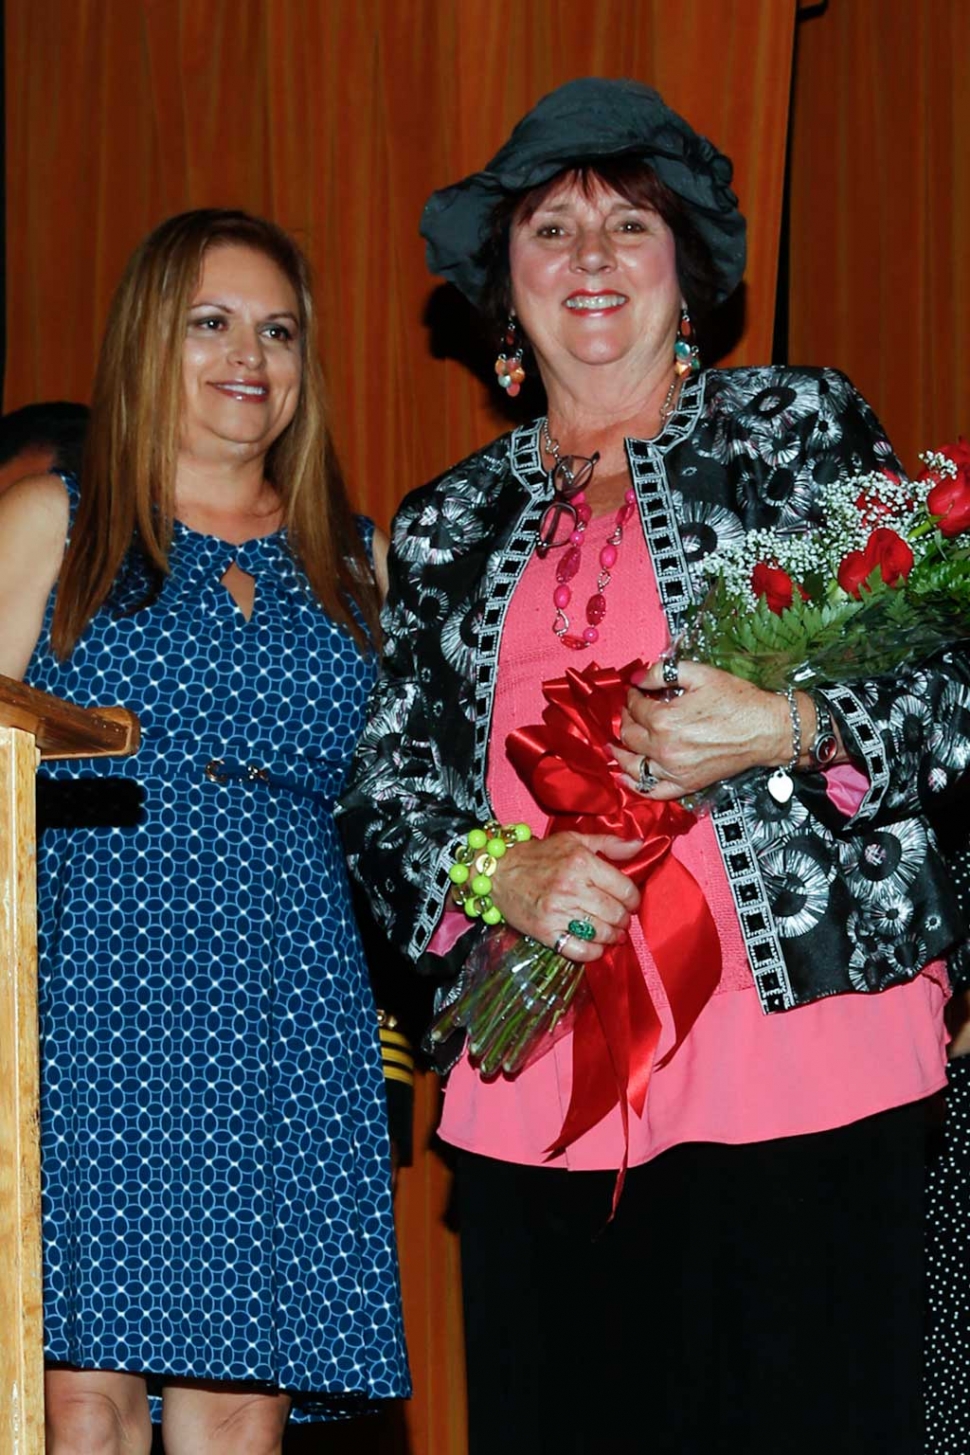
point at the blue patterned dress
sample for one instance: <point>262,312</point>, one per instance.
<point>215,1159</point>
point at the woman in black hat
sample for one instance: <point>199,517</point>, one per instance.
<point>759,1286</point>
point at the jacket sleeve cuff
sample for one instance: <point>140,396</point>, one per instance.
<point>434,903</point>
<point>863,741</point>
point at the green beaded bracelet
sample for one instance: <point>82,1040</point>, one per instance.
<point>471,873</point>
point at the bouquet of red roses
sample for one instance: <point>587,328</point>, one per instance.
<point>883,581</point>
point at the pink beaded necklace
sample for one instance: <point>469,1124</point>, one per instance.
<point>568,566</point>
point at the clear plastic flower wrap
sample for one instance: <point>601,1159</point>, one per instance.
<point>518,998</point>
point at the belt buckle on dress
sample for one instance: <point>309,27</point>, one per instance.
<point>216,772</point>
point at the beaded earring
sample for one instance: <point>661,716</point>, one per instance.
<point>508,365</point>
<point>686,353</point>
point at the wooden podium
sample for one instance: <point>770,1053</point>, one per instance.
<point>33,726</point>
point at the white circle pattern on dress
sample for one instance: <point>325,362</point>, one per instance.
<point>215,1162</point>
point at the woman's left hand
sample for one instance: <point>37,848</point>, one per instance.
<point>715,726</point>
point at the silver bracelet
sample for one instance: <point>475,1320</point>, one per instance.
<point>796,729</point>
<point>780,784</point>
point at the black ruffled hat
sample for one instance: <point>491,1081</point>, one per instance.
<point>585,121</point>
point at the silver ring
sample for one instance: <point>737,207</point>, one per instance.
<point>669,672</point>
<point>645,779</point>
<point>561,941</point>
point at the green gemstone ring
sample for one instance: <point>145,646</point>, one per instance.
<point>583,929</point>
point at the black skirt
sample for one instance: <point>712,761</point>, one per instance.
<point>758,1298</point>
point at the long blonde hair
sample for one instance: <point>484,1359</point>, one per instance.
<point>128,476</point>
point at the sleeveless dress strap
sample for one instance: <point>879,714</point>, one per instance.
<point>365,527</point>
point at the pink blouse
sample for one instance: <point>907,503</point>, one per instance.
<point>740,1075</point>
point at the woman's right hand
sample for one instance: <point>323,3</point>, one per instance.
<point>542,884</point>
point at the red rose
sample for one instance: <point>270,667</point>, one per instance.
<point>891,554</point>
<point>950,500</point>
<point>958,453</point>
<point>774,584</point>
<point>872,505</point>
<point>884,549</point>
<point>960,456</point>
<point>855,569</point>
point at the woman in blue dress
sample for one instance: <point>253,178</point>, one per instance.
<point>217,1202</point>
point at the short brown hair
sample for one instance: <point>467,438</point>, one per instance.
<point>638,184</point>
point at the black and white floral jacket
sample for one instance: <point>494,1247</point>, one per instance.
<point>827,904</point>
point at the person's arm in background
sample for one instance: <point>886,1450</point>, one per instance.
<point>33,529</point>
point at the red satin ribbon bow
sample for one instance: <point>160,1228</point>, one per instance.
<point>566,763</point>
